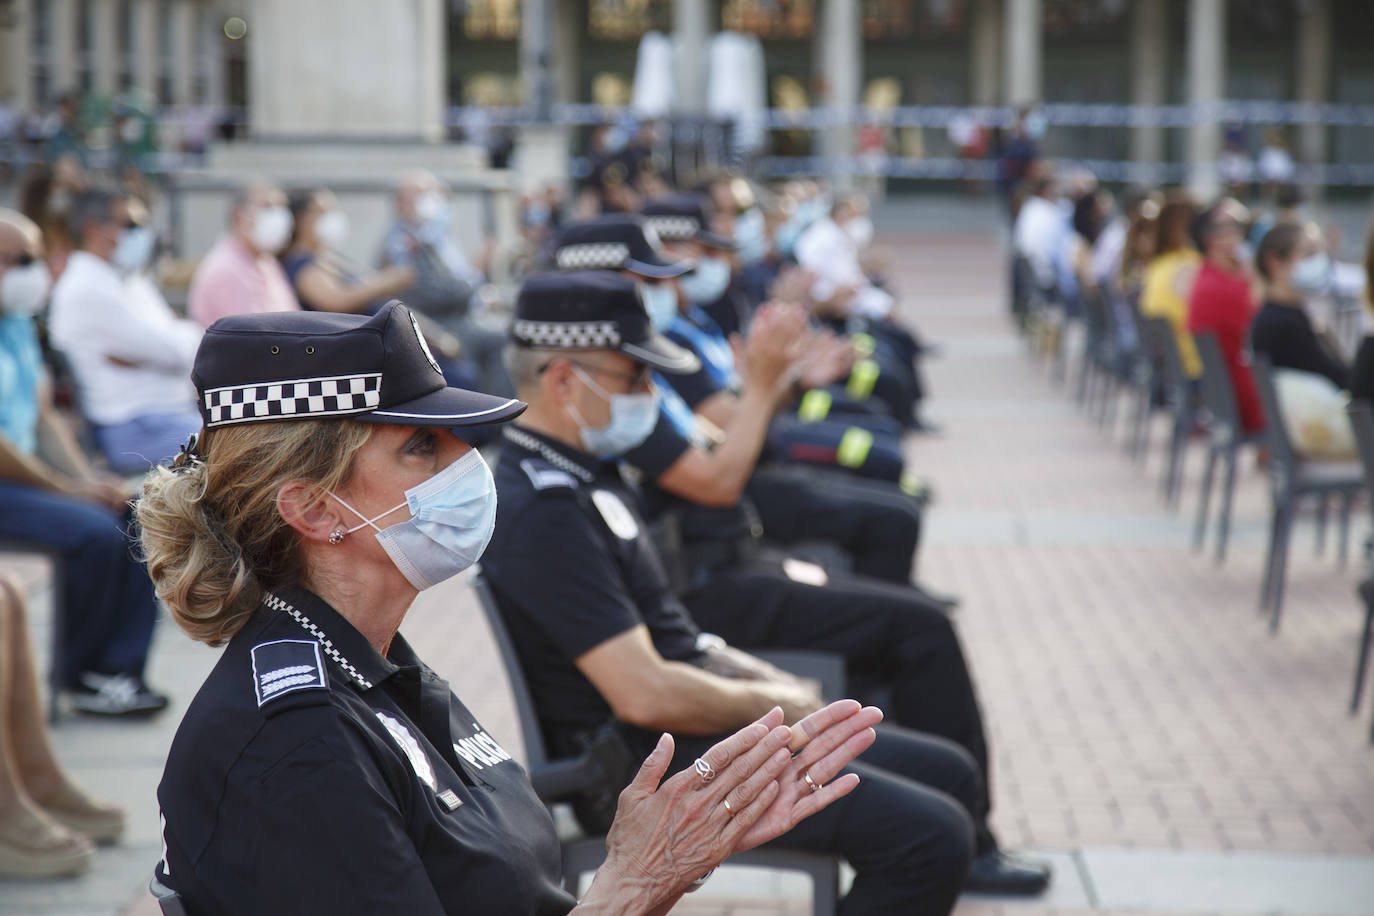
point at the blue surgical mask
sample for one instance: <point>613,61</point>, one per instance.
<point>708,282</point>
<point>751,234</point>
<point>1312,275</point>
<point>452,515</point>
<point>134,249</point>
<point>660,301</point>
<point>632,419</point>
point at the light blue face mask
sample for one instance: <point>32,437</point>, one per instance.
<point>632,419</point>
<point>134,249</point>
<point>751,234</point>
<point>660,301</point>
<point>1312,275</point>
<point>708,282</point>
<point>451,519</point>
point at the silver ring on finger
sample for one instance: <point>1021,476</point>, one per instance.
<point>704,769</point>
<point>729,809</point>
<point>811,783</point>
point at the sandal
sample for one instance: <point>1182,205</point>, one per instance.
<point>34,846</point>
<point>77,811</point>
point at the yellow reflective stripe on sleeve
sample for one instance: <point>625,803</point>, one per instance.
<point>815,405</point>
<point>863,343</point>
<point>912,485</point>
<point>862,379</point>
<point>854,446</point>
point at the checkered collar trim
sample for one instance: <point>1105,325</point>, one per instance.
<point>593,256</point>
<point>323,396</point>
<point>567,335</point>
<point>674,228</point>
<point>531,443</point>
<point>327,645</point>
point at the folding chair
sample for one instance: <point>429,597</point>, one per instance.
<point>1141,375</point>
<point>1160,340</point>
<point>1362,422</point>
<point>1291,478</point>
<point>56,676</point>
<point>167,899</point>
<point>558,780</point>
<point>1225,436</point>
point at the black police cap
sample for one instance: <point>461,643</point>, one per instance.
<point>616,242</point>
<point>593,310</point>
<point>684,218</point>
<point>276,366</point>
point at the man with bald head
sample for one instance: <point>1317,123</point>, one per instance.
<point>422,239</point>
<point>50,495</point>
<point>241,273</point>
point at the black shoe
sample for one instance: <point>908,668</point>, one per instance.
<point>1002,873</point>
<point>115,695</point>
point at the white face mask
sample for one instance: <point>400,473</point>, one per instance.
<point>332,228</point>
<point>432,209</point>
<point>24,289</point>
<point>1312,275</point>
<point>633,417</point>
<point>860,231</point>
<point>134,249</point>
<point>271,229</point>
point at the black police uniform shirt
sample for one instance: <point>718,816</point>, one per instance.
<point>311,774</point>
<point>572,565</point>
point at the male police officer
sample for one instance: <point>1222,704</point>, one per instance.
<point>602,636</point>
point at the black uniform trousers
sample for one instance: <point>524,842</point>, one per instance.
<point>873,522</point>
<point>905,829</point>
<point>891,639</point>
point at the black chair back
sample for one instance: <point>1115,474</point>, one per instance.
<point>1281,450</point>
<point>1218,393</point>
<point>1362,423</point>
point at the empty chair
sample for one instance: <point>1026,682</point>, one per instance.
<point>1140,379</point>
<point>1159,340</point>
<point>1225,436</point>
<point>1362,422</point>
<point>1291,478</point>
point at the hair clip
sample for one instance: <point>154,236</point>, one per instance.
<point>188,457</point>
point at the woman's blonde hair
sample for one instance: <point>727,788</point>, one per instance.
<point>210,530</point>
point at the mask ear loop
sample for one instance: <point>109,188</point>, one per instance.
<point>366,522</point>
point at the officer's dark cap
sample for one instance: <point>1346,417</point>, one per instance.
<point>685,218</point>
<point>593,310</point>
<point>261,368</point>
<point>616,242</point>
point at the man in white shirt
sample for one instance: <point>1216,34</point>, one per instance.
<point>1039,231</point>
<point>130,354</point>
<point>830,248</point>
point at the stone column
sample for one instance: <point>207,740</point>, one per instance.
<point>147,53</point>
<point>985,51</point>
<point>1313,74</point>
<point>14,56</point>
<point>62,45</point>
<point>1024,79</point>
<point>184,49</point>
<point>104,30</point>
<point>567,56</point>
<point>691,47</point>
<point>1206,82</point>
<point>841,69</point>
<point>370,71</point>
<point>1149,74</point>
<point>536,56</point>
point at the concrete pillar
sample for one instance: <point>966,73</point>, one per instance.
<point>691,47</point>
<point>184,49</point>
<point>104,31</point>
<point>841,71</point>
<point>985,51</point>
<point>1313,74</point>
<point>1022,30</point>
<point>147,53</point>
<point>14,57</point>
<point>399,94</point>
<point>62,45</point>
<point>1149,74</point>
<point>536,56</point>
<point>567,56</point>
<point>1206,82</point>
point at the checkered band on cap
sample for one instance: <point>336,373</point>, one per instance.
<point>673,228</point>
<point>593,256</point>
<point>568,335</point>
<point>310,397</point>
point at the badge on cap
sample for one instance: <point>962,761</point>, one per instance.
<point>618,518</point>
<point>285,666</point>
<point>424,345</point>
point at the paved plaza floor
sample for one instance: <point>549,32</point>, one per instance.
<point>1149,735</point>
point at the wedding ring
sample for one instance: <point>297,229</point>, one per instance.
<point>728,809</point>
<point>810,782</point>
<point>704,769</point>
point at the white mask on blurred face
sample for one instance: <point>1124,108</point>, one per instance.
<point>332,228</point>
<point>860,230</point>
<point>271,229</point>
<point>23,289</point>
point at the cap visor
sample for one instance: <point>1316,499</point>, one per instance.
<point>658,271</point>
<point>449,407</point>
<point>714,240</point>
<point>661,353</point>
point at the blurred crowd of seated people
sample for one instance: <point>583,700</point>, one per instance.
<point>1265,280</point>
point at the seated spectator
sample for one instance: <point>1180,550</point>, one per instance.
<point>323,279</point>
<point>446,282</point>
<point>1169,277</point>
<point>608,644</point>
<point>241,272</point>
<point>1362,373</point>
<point>830,249</point>
<point>47,823</point>
<point>129,352</point>
<point>50,495</point>
<point>1038,232</point>
<point>1292,267</point>
<point>1223,300</point>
